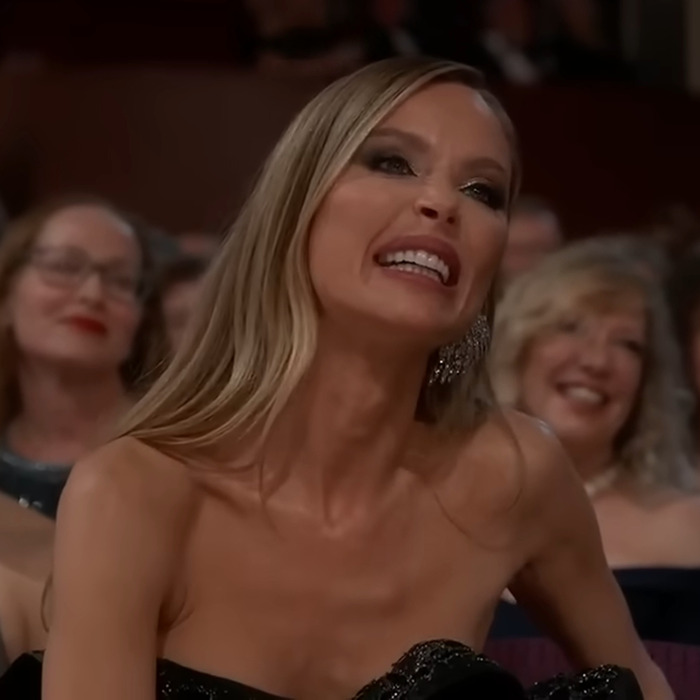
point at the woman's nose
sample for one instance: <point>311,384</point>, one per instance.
<point>594,355</point>
<point>92,287</point>
<point>439,204</point>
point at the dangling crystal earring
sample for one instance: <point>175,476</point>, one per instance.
<point>457,358</point>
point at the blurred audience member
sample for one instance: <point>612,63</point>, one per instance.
<point>164,247</point>
<point>507,40</point>
<point>583,342</point>
<point>578,48</point>
<point>496,36</point>
<point>534,232</point>
<point>179,288</point>
<point>677,229</point>
<point>521,41</point>
<point>649,254</point>
<point>198,244</point>
<point>318,38</point>
<point>83,331</point>
<point>684,299</point>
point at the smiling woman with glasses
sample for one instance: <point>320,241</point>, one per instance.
<point>80,327</point>
<point>81,334</point>
<point>68,267</point>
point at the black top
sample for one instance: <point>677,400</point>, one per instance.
<point>664,604</point>
<point>36,485</point>
<point>435,670</point>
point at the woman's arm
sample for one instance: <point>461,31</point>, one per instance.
<point>567,585</point>
<point>20,621</point>
<point>121,522</point>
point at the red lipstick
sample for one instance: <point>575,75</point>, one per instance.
<point>88,325</point>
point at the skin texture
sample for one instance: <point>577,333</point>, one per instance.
<point>352,558</point>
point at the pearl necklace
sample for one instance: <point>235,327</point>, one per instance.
<point>601,482</point>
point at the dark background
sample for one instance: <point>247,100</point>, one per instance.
<point>152,103</point>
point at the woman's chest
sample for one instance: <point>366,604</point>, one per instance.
<point>294,614</point>
<point>637,536</point>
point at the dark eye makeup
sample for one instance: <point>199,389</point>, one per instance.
<point>391,162</point>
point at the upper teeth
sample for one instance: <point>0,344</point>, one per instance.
<point>583,393</point>
<point>419,257</point>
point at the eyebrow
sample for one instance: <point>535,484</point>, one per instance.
<point>421,144</point>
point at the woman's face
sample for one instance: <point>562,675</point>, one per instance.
<point>407,241</point>
<point>583,375</point>
<point>75,302</point>
<point>178,303</point>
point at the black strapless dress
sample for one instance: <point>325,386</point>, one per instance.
<point>435,670</point>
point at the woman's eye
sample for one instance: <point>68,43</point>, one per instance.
<point>634,346</point>
<point>568,325</point>
<point>65,265</point>
<point>390,164</point>
<point>493,197</point>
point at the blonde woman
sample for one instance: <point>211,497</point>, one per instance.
<point>319,481</point>
<point>583,343</point>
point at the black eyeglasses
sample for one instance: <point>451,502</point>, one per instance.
<point>68,268</point>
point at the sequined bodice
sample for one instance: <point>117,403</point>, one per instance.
<point>434,670</point>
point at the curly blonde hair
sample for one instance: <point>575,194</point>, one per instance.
<point>654,445</point>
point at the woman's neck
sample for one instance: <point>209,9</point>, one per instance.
<point>590,460</point>
<point>64,414</point>
<point>345,430</point>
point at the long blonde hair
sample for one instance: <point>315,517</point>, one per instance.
<point>254,335</point>
<point>654,445</point>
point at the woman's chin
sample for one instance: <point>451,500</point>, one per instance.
<point>576,438</point>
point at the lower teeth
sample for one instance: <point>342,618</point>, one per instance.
<point>418,270</point>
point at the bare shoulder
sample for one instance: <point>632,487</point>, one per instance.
<point>525,447</point>
<point>121,533</point>
<point>132,503</point>
<point>510,471</point>
<point>127,477</point>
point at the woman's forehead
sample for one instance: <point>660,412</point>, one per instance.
<point>455,116</point>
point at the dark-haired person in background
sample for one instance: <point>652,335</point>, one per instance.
<point>533,233</point>
<point>179,288</point>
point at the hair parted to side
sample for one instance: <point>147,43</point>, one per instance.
<point>255,333</point>
<point>654,446</point>
<point>150,344</point>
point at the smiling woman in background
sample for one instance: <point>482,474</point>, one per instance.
<point>80,330</point>
<point>583,342</point>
